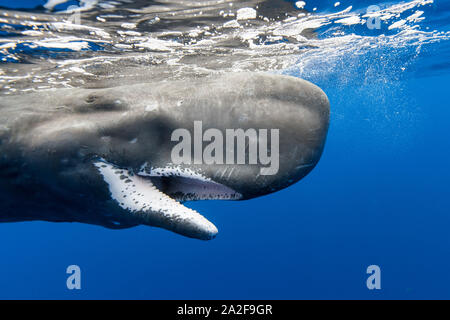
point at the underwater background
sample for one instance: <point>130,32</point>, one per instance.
<point>379,195</point>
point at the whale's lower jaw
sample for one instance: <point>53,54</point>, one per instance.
<point>142,195</point>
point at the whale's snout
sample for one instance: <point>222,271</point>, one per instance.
<point>273,130</point>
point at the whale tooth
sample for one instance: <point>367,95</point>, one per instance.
<point>140,197</point>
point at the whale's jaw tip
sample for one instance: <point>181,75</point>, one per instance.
<point>210,234</point>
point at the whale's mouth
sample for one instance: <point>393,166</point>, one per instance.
<point>190,189</point>
<point>183,184</point>
<point>153,196</point>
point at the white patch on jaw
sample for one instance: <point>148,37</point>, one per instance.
<point>139,196</point>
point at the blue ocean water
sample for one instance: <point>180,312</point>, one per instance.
<point>379,196</point>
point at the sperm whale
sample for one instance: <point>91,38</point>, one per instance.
<point>105,156</point>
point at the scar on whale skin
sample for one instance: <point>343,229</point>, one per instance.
<point>103,156</point>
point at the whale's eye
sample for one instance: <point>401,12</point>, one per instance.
<point>99,102</point>
<point>91,98</point>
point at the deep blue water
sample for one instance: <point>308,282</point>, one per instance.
<point>380,195</point>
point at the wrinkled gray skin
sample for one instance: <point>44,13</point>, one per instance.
<point>49,140</point>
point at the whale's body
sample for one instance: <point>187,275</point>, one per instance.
<point>104,156</point>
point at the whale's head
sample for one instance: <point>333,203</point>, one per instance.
<point>131,154</point>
